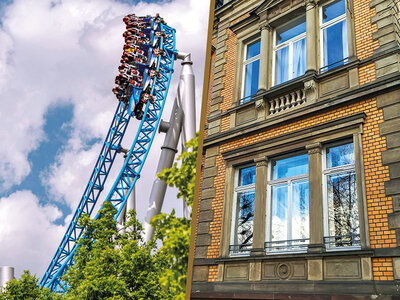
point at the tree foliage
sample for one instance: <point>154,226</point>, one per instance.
<point>26,288</point>
<point>183,177</point>
<point>112,261</point>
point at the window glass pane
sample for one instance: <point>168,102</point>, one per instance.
<point>299,58</point>
<point>335,44</point>
<point>251,80</point>
<point>282,65</point>
<point>291,166</point>
<point>340,155</point>
<point>300,228</point>
<point>290,30</point>
<point>343,209</point>
<point>333,10</point>
<point>253,49</point>
<point>245,217</point>
<point>247,175</point>
<point>279,213</point>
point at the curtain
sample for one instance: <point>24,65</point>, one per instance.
<point>299,58</point>
<point>282,65</point>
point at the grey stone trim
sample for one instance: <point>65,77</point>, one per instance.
<point>312,290</point>
<point>390,128</point>
<point>364,92</point>
<point>203,237</point>
<point>388,34</point>
<point>218,74</point>
<point>316,215</point>
<point>302,137</point>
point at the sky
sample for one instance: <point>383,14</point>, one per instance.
<point>58,61</point>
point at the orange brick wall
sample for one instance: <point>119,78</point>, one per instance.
<point>365,45</point>
<point>378,205</point>
<point>382,268</point>
<point>367,74</point>
<point>229,68</point>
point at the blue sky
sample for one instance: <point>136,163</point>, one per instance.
<point>57,69</point>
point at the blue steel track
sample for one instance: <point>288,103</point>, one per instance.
<point>131,169</point>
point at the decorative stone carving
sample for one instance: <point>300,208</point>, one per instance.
<point>260,103</point>
<point>283,270</point>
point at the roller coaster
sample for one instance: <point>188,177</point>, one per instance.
<point>141,89</point>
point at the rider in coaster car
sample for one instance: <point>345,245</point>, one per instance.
<point>158,51</point>
<point>138,110</point>
<point>153,73</point>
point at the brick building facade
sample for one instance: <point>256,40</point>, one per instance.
<point>300,184</point>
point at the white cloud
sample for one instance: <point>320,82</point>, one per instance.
<point>27,232</point>
<point>69,52</point>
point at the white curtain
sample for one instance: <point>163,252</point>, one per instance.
<point>299,58</point>
<point>282,65</point>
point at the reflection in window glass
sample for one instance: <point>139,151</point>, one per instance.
<point>251,70</point>
<point>291,166</point>
<point>253,49</point>
<point>333,10</point>
<point>343,209</point>
<point>300,228</point>
<point>279,213</point>
<point>242,224</point>
<point>334,34</point>
<point>340,155</point>
<point>247,175</point>
<point>289,221</point>
<point>251,78</point>
<point>290,50</point>
<point>245,218</point>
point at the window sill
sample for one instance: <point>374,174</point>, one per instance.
<point>333,252</point>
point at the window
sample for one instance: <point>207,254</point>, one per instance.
<point>243,207</point>
<point>287,214</point>
<point>342,228</point>
<point>251,69</point>
<point>334,47</point>
<point>290,50</point>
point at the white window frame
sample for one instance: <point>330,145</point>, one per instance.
<point>331,171</point>
<point>273,182</point>
<point>245,63</point>
<point>324,26</point>
<point>238,189</point>
<point>288,43</point>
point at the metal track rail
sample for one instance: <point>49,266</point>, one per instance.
<point>130,171</point>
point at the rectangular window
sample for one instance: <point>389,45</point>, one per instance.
<point>290,50</point>
<point>334,45</point>
<point>342,228</point>
<point>243,208</point>
<point>251,70</point>
<point>287,213</point>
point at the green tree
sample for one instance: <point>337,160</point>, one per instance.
<point>174,232</point>
<point>117,265</point>
<point>184,176</point>
<point>25,288</point>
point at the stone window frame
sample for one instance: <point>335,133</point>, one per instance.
<point>313,142</point>
<point>244,37</point>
